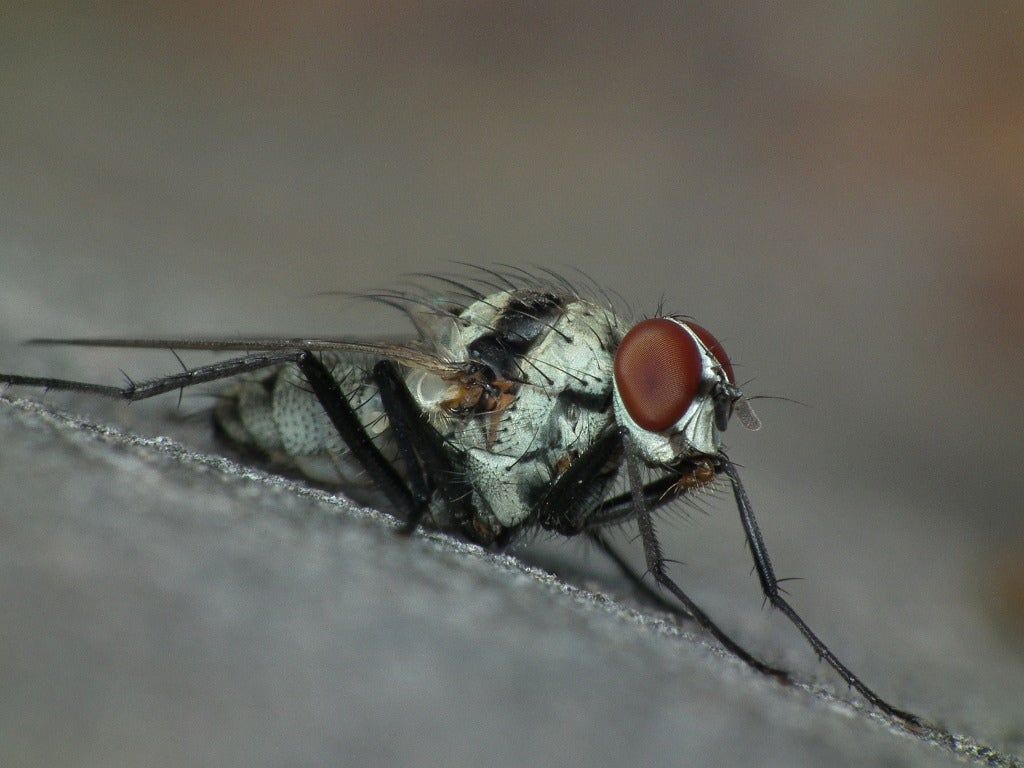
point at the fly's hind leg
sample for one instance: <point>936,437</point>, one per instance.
<point>323,384</point>
<point>430,464</point>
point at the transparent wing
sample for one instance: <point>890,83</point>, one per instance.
<point>407,353</point>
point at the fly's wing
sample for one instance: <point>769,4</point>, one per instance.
<point>405,353</point>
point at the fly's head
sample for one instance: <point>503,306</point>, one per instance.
<point>675,390</point>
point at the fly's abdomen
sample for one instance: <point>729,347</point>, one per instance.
<point>279,417</point>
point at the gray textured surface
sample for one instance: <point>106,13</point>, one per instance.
<point>831,189</point>
<point>164,607</point>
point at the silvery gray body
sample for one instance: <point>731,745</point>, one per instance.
<point>554,348</point>
<point>557,348</point>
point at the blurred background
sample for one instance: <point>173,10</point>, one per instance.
<point>837,193</point>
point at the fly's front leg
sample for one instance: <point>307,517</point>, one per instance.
<point>656,565</point>
<point>770,586</point>
<point>562,510</point>
<point>619,509</point>
<point>351,430</point>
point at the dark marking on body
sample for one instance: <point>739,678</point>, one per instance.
<point>594,402</point>
<point>522,323</point>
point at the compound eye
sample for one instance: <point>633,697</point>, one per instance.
<point>657,373</point>
<point>716,349</point>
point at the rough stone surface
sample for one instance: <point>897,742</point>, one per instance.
<point>827,190</point>
<point>169,607</point>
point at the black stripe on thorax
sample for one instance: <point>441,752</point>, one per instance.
<point>525,320</point>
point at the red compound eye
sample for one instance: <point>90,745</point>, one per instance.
<point>657,372</point>
<point>715,348</point>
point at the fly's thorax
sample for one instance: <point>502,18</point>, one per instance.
<point>670,376</point>
<point>544,338</point>
<point>548,358</point>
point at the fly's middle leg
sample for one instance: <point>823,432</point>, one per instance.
<point>560,510</point>
<point>430,464</point>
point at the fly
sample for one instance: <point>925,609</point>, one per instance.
<point>520,404</point>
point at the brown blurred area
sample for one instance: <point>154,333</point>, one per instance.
<point>836,192</point>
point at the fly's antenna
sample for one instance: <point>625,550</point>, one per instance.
<point>778,397</point>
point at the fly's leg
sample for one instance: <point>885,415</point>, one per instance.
<point>322,383</point>
<point>144,389</point>
<point>561,509</point>
<point>690,611</point>
<point>770,586</point>
<point>353,433</point>
<point>428,461</point>
<point>619,509</point>
<point>656,565</point>
<point>419,483</point>
<point>565,505</point>
<point>658,492</point>
<point>634,577</point>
